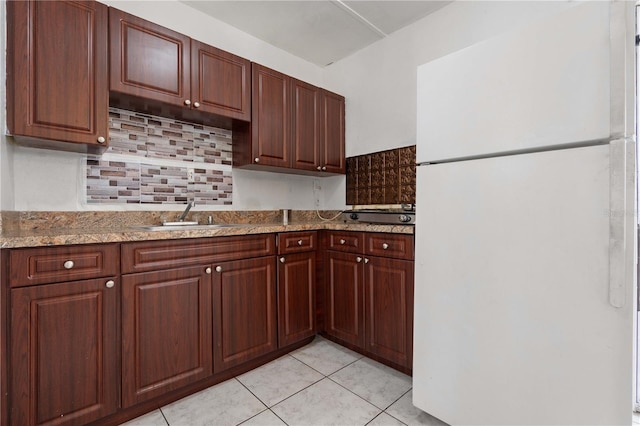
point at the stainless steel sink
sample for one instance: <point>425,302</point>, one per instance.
<point>179,226</point>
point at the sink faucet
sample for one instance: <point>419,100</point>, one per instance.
<point>184,213</point>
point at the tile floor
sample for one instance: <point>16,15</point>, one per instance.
<point>319,384</point>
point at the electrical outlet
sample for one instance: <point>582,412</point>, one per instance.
<point>317,190</point>
<point>191,175</point>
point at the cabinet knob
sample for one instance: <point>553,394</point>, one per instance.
<point>319,168</point>
<point>342,242</point>
<point>358,259</point>
<point>208,270</point>
<point>218,268</point>
<point>366,260</point>
<point>187,102</point>
<point>282,260</point>
<point>299,242</point>
<point>101,139</point>
<point>68,264</point>
<point>110,284</point>
<point>256,160</point>
<point>324,168</point>
<point>196,104</point>
<point>385,246</point>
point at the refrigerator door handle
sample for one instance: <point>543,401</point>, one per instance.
<point>618,211</point>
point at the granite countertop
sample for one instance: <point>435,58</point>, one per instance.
<point>103,231</point>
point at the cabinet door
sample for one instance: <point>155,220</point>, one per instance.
<point>220,82</point>
<point>296,297</point>
<point>389,309</point>
<point>306,126</point>
<point>166,332</point>
<point>148,60</point>
<point>271,117</point>
<point>332,156</point>
<point>344,308</point>
<point>244,306</point>
<point>57,79</point>
<point>64,352</point>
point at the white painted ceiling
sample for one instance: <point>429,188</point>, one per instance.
<point>320,31</point>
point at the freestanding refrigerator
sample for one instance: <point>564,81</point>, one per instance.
<point>526,225</point>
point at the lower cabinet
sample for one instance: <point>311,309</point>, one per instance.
<point>244,306</point>
<point>64,352</point>
<point>296,297</point>
<point>166,331</point>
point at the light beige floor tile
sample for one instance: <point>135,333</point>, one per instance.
<point>404,410</point>
<point>636,418</point>
<point>384,419</point>
<point>279,379</point>
<point>325,356</point>
<point>266,418</point>
<point>154,418</point>
<point>377,383</point>
<point>227,403</point>
<point>325,403</point>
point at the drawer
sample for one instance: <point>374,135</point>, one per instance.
<point>45,265</point>
<point>352,242</point>
<point>153,255</point>
<point>297,242</point>
<point>399,246</point>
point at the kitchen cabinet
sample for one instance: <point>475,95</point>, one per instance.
<point>295,127</point>
<point>64,338</point>
<point>369,291</point>
<point>57,86</point>
<point>156,64</point>
<point>296,286</point>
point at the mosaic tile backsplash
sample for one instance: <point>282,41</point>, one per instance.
<point>155,160</point>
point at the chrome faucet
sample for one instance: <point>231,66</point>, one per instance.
<point>184,213</point>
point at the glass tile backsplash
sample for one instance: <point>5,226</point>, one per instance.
<point>156,160</point>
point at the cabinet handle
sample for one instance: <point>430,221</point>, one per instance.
<point>324,168</point>
<point>196,104</point>
<point>385,246</point>
<point>218,268</point>
<point>68,264</point>
<point>256,160</point>
<point>282,260</point>
<point>358,259</point>
<point>319,168</point>
<point>342,242</point>
<point>366,260</point>
<point>299,242</point>
<point>208,270</point>
<point>110,284</point>
<point>187,102</point>
<point>101,139</point>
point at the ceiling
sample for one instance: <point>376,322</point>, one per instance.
<point>320,31</point>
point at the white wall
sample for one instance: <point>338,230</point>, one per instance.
<point>379,81</point>
<point>38,179</point>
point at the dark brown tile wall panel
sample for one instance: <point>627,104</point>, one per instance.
<point>385,177</point>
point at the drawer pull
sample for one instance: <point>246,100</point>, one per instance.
<point>218,268</point>
<point>299,242</point>
<point>358,259</point>
<point>385,246</point>
<point>342,242</point>
<point>208,270</point>
<point>282,260</point>
<point>110,284</point>
<point>68,264</point>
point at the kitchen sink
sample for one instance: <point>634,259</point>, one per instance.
<point>185,226</point>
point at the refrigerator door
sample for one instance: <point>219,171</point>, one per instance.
<point>515,317</point>
<point>546,85</point>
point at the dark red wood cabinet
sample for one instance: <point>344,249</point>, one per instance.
<point>154,63</point>
<point>57,86</point>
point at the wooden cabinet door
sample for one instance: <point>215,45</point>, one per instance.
<point>296,297</point>
<point>244,306</point>
<point>64,352</point>
<point>271,117</point>
<point>220,82</point>
<point>332,155</point>
<point>389,309</point>
<point>166,332</point>
<point>344,307</point>
<point>57,71</point>
<point>305,108</point>
<point>148,60</point>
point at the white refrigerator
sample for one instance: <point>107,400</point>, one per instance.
<point>526,225</point>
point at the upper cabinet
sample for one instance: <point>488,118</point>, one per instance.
<point>57,79</point>
<point>154,63</point>
<point>295,127</point>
